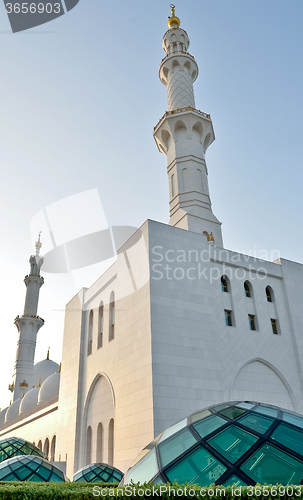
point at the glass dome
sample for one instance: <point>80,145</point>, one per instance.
<point>12,447</point>
<point>30,468</point>
<point>98,472</point>
<point>237,442</point>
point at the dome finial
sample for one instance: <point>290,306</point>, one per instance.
<point>173,19</point>
<point>47,356</point>
<point>38,244</point>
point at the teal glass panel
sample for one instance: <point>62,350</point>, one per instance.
<point>158,480</point>
<point>210,424</point>
<point>233,442</point>
<point>198,467</point>
<point>43,472</point>
<point>221,407</point>
<point>23,473</point>
<point>55,478</point>
<point>266,411</point>
<point>105,476</point>
<point>232,412</point>
<point>245,406</point>
<point>173,429</point>
<point>89,476</point>
<point>10,477</point>
<point>293,419</point>
<point>234,481</point>
<point>256,422</point>
<point>271,465</point>
<point>144,470</point>
<point>289,437</point>
<point>175,446</point>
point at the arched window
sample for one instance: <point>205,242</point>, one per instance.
<point>269,294</point>
<point>247,289</point>
<point>224,284</point>
<point>46,447</point>
<point>111,442</point>
<point>39,445</point>
<point>100,325</point>
<point>111,334</point>
<point>53,449</point>
<point>90,333</point>
<point>89,446</point>
<point>99,443</point>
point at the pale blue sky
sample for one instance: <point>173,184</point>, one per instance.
<point>79,99</point>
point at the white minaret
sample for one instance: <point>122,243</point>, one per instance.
<point>184,134</point>
<point>28,326</point>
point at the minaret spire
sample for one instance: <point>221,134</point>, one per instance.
<point>28,326</point>
<point>184,134</point>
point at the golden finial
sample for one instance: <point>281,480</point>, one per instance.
<point>47,356</point>
<point>60,367</point>
<point>39,385</point>
<point>23,394</point>
<point>173,19</point>
<point>10,402</point>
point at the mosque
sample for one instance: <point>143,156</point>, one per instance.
<point>176,324</point>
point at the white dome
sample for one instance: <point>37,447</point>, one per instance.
<point>30,400</point>
<point>2,415</point>
<point>13,411</point>
<point>44,369</point>
<point>49,389</point>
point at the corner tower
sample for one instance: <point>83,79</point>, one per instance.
<point>183,134</point>
<point>28,326</point>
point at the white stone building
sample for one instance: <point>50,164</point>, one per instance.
<point>177,323</point>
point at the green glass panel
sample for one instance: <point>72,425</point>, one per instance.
<point>289,437</point>
<point>266,411</point>
<point>256,422</point>
<point>43,472</point>
<point>234,481</point>
<point>221,407</point>
<point>293,419</point>
<point>233,442</point>
<point>105,476</point>
<point>245,406</point>
<point>175,446</point>
<point>144,470</point>
<point>23,473</point>
<point>3,473</point>
<point>10,477</point>
<point>232,412</point>
<point>56,478</point>
<point>36,478</point>
<point>198,467</point>
<point>89,476</point>
<point>210,424</point>
<point>271,465</point>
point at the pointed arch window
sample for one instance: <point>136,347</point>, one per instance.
<point>100,325</point>
<point>111,334</point>
<point>224,284</point>
<point>247,289</point>
<point>53,449</point>
<point>99,443</point>
<point>89,446</point>
<point>269,294</point>
<point>90,333</point>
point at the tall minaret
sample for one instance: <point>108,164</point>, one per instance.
<point>28,326</point>
<point>184,134</point>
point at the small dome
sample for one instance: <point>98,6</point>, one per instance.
<point>32,469</point>
<point>49,389</point>
<point>44,369</point>
<point>2,415</point>
<point>13,411</point>
<point>12,447</point>
<point>30,400</point>
<point>98,472</point>
<point>240,443</point>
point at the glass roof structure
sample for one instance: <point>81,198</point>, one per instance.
<point>240,442</point>
<point>98,473</point>
<point>30,468</point>
<point>12,447</point>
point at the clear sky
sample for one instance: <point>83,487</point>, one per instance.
<point>79,99</point>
